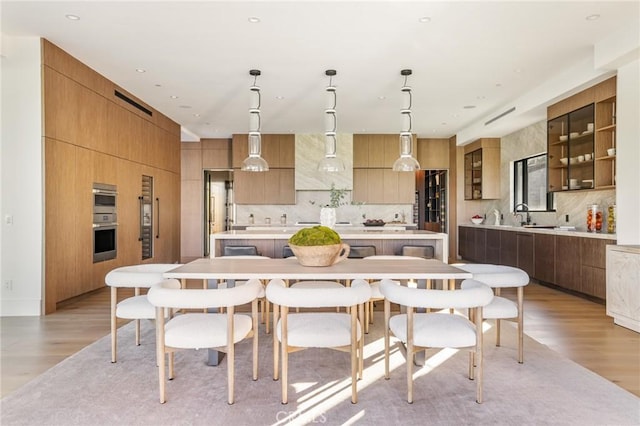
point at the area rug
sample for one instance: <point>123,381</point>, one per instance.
<point>86,389</point>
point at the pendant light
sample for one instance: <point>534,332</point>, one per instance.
<point>406,162</point>
<point>330,163</point>
<point>254,162</point>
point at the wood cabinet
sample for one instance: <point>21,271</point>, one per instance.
<point>373,180</point>
<point>593,262</point>
<point>277,150</point>
<point>581,131</point>
<point>482,169</point>
<point>571,262</point>
<point>433,153</point>
<point>545,257</point>
<point>568,269</point>
<point>524,241</point>
<point>276,186</point>
<point>92,135</point>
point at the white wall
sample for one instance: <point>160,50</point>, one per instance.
<point>21,178</point>
<point>628,153</point>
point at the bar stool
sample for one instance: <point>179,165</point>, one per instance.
<point>498,277</point>
<point>240,251</point>
<point>360,252</point>
<point>425,252</point>
<point>136,307</point>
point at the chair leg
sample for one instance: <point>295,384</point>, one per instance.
<point>361,309</point>
<point>479,355</point>
<point>410,350</point>
<point>354,356</point>
<point>285,354</point>
<point>276,346</point>
<point>254,315</point>
<point>266,307</point>
<point>520,325</point>
<point>497,332</point>
<point>387,315</point>
<point>231,354</point>
<point>160,352</point>
<point>365,323</point>
<point>171,370</point>
<point>114,323</point>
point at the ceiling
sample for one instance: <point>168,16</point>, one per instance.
<point>471,61</point>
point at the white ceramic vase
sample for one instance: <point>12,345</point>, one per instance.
<point>328,217</point>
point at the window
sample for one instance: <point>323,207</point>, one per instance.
<point>530,184</point>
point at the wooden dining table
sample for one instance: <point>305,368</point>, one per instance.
<point>211,270</point>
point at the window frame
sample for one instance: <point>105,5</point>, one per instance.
<point>525,185</point>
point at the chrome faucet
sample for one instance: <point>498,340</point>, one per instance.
<point>528,217</point>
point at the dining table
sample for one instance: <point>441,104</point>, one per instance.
<point>425,272</point>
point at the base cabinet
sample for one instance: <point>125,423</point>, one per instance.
<point>571,262</point>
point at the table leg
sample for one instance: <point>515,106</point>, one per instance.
<point>214,358</point>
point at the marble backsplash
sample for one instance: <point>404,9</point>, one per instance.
<point>307,209</point>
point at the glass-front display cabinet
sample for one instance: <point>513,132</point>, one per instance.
<point>473,175</point>
<point>570,150</point>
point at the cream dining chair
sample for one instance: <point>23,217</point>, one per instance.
<point>136,307</point>
<point>302,330</point>
<point>420,331</point>
<point>199,330</point>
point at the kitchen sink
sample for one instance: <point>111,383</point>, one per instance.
<point>540,226</point>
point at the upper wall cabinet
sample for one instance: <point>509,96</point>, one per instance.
<point>482,169</point>
<point>581,137</point>
<point>373,180</point>
<point>275,186</point>
<point>433,154</point>
<point>570,150</point>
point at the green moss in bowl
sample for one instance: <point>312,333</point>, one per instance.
<point>316,236</point>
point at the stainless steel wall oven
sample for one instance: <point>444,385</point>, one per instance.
<point>105,222</point>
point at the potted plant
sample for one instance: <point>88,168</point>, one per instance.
<point>318,246</point>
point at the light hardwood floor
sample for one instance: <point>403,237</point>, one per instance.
<point>574,327</point>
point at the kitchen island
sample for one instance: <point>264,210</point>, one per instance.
<point>387,241</point>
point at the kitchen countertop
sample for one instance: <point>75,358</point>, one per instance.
<point>552,231</point>
<point>360,232</point>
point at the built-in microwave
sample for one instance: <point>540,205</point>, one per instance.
<point>105,223</point>
<point>104,198</point>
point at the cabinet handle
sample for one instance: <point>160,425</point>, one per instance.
<point>140,198</point>
<point>158,224</point>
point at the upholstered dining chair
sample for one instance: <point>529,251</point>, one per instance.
<point>498,277</point>
<point>264,303</point>
<point>302,330</point>
<point>136,307</point>
<point>376,295</point>
<point>199,330</point>
<point>442,329</point>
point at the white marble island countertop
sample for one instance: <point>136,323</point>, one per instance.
<point>359,232</point>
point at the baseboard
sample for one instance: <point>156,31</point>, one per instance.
<point>21,308</point>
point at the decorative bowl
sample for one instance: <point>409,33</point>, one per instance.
<point>477,220</point>
<point>320,255</point>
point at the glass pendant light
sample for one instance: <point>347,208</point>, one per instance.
<point>254,162</point>
<point>406,162</point>
<point>330,163</point>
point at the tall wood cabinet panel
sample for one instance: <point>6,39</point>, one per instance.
<point>508,248</point>
<point>492,251</point>
<point>92,136</point>
<point>593,266</point>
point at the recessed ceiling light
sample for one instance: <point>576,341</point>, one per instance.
<point>469,106</point>
<point>498,84</point>
<point>518,70</point>
<point>196,115</point>
<point>141,70</point>
<point>382,98</point>
<point>425,19</point>
<point>593,17</point>
<point>254,19</point>
<point>158,85</point>
<point>173,97</point>
<point>185,106</point>
<point>279,98</point>
<point>480,97</point>
<point>444,123</point>
<point>72,17</point>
